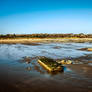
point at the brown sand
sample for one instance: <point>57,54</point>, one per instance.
<point>37,40</point>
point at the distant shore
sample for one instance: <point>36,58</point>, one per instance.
<point>44,40</point>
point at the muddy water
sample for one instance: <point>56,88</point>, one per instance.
<point>16,75</point>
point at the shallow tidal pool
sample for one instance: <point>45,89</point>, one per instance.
<point>18,76</point>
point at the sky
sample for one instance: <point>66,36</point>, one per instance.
<point>45,16</point>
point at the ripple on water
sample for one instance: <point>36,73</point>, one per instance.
<point>26,76</point>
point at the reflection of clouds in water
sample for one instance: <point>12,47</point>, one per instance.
<point>90,64</point>
<point>33,73</point>
<point>67,69</point>
<point>17,51</point>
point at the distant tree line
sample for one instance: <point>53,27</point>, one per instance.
<point>45,35</point>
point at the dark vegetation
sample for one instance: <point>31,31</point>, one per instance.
<point>45,35</point>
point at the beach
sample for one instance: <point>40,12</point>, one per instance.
<point>21,72</point>
<point>43,40</point>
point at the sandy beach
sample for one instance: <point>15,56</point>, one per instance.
<point>20,71</point>
<point>44,40</point>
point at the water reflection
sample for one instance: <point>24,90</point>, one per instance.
<point>19,63</point>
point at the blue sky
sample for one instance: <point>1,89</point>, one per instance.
<point>45,16</point>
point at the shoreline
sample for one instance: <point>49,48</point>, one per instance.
<point>44,40</point>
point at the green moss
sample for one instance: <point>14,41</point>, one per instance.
<point>50,62</point>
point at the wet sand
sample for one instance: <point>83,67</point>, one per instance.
<point>76,78</point>
<point>16,75</point>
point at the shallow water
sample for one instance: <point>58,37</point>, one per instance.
<point>19,76</point>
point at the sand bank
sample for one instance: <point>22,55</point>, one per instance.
<point>44,40</point>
